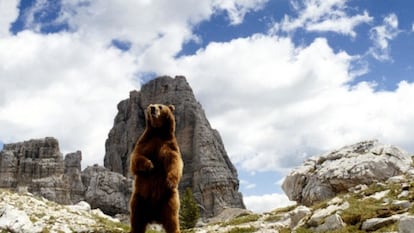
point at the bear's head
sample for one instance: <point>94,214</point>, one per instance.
<point>160,116</point>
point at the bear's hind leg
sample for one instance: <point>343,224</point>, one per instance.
<point>137,219</point>
<point>169,213</point>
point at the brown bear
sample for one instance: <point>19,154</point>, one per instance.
<point>156,165</point>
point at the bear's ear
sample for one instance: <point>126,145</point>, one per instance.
<point>172,108</point>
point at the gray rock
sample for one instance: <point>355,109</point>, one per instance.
<point>320,214</point>
<point>377,223</point>
<point>406,224</point>
<point>404,204</point>
<point>298,214</point>
<point>324,176</point>
<point>37,165</point>
<point>73,176</point>
<point>106,190</point>
<point>15,220</point>
<point>333,222</point>
<point>229,213</point>
<point>208,170</point>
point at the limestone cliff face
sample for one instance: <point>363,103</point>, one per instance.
<point>207,167</point>
<point>35,165</point>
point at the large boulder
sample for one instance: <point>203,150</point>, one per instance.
<point>106,190</point>
<point>208,170</point>
<point>324,176</point>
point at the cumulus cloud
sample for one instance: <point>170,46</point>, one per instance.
<point>236,10</point>
<point>261,79</point>
<point>322,16</point>
<point>57,85</point>
<point>275,103</point>
<point>67,84</point>
<point>146,22</point>
<point>267,202</point>
<point>9,12</point>
<point>381,35</point>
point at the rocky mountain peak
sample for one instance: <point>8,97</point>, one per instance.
<point>208,170</point>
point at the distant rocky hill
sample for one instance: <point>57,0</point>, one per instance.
<point>208,170</point>
<point>38,166</point>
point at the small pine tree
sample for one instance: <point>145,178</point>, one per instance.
<point>189,212</point>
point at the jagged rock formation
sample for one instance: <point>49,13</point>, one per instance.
<point>37,166</point>
<point>207,167</point>
<point>73,176</point>
<point>324,176</point>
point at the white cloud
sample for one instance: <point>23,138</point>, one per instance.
<point>68,84</point>
<point>322,16</point>
<point>57,85</point>
<point>236,10</point>
<point>267,202</point>
<point>9,12</point>
<point>381,35</point>
<point>273,102</point>
<point>261,78</point>
<point>145,22</point>
<point>276,104</point>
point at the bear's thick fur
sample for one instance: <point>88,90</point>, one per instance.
<point>157,166</point>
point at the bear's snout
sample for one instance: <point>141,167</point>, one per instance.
<point>152,110</point>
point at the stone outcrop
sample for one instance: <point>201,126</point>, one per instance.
<point>37,166</point>
<point>73,176</point>
<point>324,176</point>
<point>106,190</point>
<point>208,170</point>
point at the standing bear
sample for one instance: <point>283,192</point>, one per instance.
<point>156,165</point>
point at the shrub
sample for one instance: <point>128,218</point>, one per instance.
<point>189,212</point>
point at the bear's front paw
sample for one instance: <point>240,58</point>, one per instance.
<point>147,166</point>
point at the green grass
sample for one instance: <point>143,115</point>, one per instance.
<point>242,230</point>
<point>284,209</point>
<point>273,218</point>
<point>111,226</point>
<point>241,219</point>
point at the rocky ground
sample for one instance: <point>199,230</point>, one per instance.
<point>380,207</point>
<point>25,213</point>
<point>365,187</point>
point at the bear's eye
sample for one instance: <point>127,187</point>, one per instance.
<point>160,107</point>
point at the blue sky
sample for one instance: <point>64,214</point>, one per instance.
<point>299,77</point>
